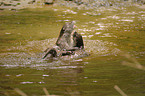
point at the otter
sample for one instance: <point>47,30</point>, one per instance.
<point>64,40</point>
<point>78,40</point>
<point>67,43</point>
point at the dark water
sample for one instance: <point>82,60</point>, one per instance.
<point>114,38</point>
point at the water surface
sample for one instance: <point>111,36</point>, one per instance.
<point>113,36</point>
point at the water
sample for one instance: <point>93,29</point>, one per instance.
<point>113,36</point>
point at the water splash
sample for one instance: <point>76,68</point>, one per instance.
<point>31,58</point>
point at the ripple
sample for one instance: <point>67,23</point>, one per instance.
<point>30,58</point>
<point>66,67</point>
<point>70,11</point>
<point>97,33</point>
<point>99,47</point>
<point>28,82</point>
<point>126,20</point>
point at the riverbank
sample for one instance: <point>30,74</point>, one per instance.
<point>84,4</point>
<point>21,4</point>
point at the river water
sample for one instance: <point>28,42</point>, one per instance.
<point>113,36</point>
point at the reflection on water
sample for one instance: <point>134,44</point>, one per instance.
<point>113,37</point>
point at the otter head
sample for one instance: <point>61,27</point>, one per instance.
<point>69,27</point>
<point>64,39</point>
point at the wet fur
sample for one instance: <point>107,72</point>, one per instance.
<point>67,43</point>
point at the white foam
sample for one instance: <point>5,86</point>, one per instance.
<point>98,33</point>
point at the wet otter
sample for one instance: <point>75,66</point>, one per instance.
<point>64,40</point>
<point>78,40</point>
<point>67,43</point>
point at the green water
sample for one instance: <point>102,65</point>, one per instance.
<point>113,36</point>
